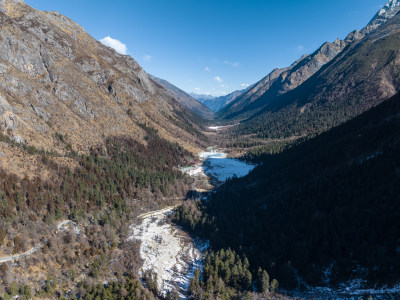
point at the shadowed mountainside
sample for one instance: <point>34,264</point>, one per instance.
<point>326,209</point>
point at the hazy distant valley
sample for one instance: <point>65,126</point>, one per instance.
<point>116,184</point>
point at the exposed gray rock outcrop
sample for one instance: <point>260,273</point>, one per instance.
<point>387,12</point>
<point>56,79</point>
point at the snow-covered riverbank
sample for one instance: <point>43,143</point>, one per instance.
<point>168,251</point>
<point>165,248</point>
<point>353,289</point>
<point>219,167</point>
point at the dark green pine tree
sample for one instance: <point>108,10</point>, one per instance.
<point>263,280</point>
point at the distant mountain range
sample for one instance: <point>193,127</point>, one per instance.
<point>185,99</point>
<point>202,97</point>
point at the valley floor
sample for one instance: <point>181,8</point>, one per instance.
<point>165,248</point>
<point>167,251</point>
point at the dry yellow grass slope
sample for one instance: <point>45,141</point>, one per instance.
<point>56,80</point>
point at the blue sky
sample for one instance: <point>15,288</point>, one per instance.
<point>216,46</point>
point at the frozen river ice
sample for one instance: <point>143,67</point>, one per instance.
<point>168,251</point>
<point>165,248</point>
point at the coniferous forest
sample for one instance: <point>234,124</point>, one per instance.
<point>329,204</point>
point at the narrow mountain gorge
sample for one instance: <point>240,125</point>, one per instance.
<point>116,184</point>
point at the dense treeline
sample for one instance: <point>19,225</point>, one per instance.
<point>131,289</point>
<point>226,275</point>
<point>110,175</point>
<point>127,289</point>
<point>287,122</point>
<point>326,209</point>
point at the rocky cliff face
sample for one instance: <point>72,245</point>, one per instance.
<point>387,12</point>
<point>55,79</point>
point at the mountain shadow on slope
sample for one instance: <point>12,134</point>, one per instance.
<point>326,210</point>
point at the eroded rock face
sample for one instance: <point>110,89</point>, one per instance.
<point>55,78</point>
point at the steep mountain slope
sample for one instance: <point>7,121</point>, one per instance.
<point>57,80</point>
<point>185,99</point>
<point>360,77</point>
<point>217,103</point>
<point>326,209</point>
<point>85,136</point>
<point>280,81</point>
<point>387,12</point>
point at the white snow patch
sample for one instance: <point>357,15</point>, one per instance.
<point>64,226</point>
<point>219,128</point>
<point>216,128</point>
<point>193,171</point>
<point>219,166</point>
<point>167,251</point>
<point>212,154</point>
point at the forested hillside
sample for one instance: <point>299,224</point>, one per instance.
<point>103,194</point>
<point>87,143</point>
<point>326,210</point>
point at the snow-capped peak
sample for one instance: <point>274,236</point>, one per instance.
<point>387,12</point>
